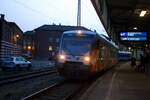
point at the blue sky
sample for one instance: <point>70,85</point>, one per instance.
<point>30,14</point>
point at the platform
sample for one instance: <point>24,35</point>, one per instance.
<point>121,83</point>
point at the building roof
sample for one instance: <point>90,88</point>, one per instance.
<point>29,33</point>
<point>60,27</point>
<point>13,24</point>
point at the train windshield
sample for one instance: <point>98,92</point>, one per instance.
<point>77,45</point>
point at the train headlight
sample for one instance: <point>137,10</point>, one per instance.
<point>79,32</point>
<point>62,57</point>
<point>87,59</point>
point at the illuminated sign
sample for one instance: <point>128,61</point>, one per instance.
<point>133,36</point>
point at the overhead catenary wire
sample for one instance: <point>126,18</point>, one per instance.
<point>31,9</point>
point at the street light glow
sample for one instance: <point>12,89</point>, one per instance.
<point>17,35</point>
<point>29,47</point>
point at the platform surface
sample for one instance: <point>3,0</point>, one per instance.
<point>121,83</point>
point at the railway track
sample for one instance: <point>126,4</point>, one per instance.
<point>13,79</point>
<point>65,90</point>
<point>60,91</point>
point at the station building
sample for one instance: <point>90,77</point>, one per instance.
<point>10,39</point>
<point>44,41</point>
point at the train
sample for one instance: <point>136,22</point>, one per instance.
<point>124,55</point>
<point>84,53</point>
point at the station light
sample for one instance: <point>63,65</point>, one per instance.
<point>129,48</point>
<point>146,45</point>
<point>143,12</point>
<point>135,28</point>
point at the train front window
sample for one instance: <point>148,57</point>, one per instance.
<point>76,45</point>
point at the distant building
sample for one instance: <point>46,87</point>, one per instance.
<point>28,43</point>
<point>47,38</point>
<point>10,39</point>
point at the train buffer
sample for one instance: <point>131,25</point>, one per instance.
<point>120,83</point>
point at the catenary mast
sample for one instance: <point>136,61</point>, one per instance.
<point>79,13</point>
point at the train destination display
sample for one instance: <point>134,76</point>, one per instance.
<point>133,36</point>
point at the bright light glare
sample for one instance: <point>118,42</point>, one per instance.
<point>79,32</point>
<point>135,28</point>
<point>143,12</point>
<point>129,48</point>
<point>87,59</point>
<point>62,57</point>
<point>29,47</point>
<point>17,35</point>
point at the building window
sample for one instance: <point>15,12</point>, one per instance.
<point>15,39</point>
<point>50,39</point>
<point>24,43</point>
<point>53,53</point>
<point>50,48</point>
<point>33,47</point>
<point>29,42</point>
<point>24,47</point>
<point>57,40</point>
<point>57,48</point>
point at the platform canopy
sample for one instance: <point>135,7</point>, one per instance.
<point>123,16</point>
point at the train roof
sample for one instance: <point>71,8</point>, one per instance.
<point>83,31</point>
<point>93,33</point>
<point>108,40</point>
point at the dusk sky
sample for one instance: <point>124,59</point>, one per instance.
<point>31,14</point>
